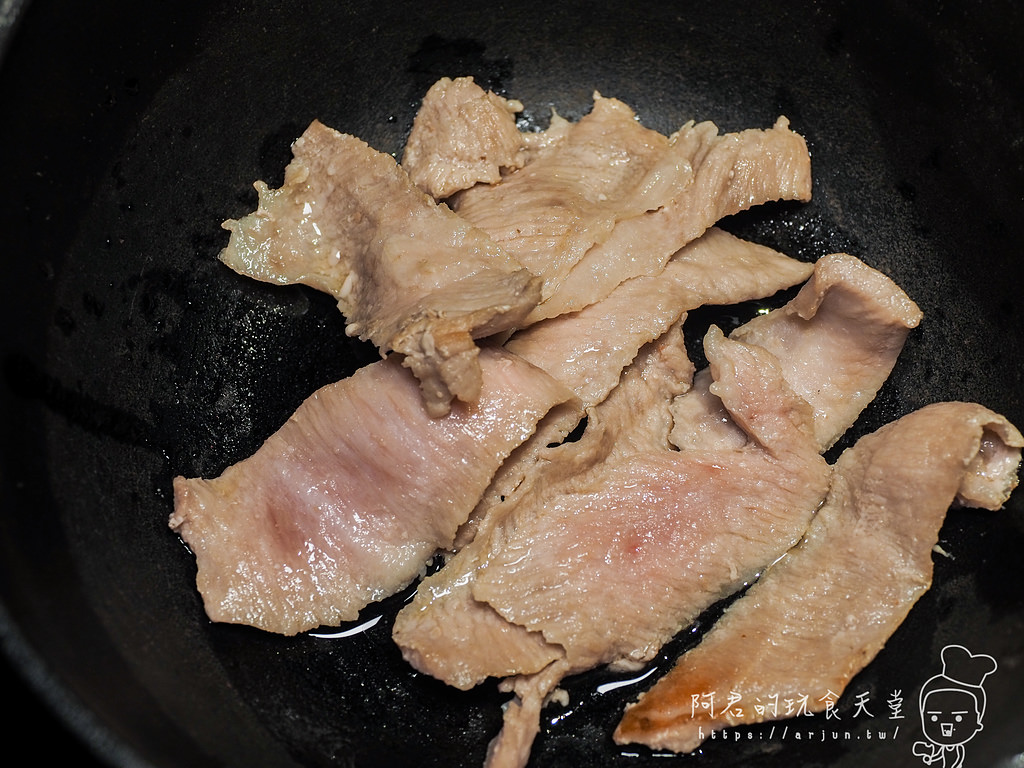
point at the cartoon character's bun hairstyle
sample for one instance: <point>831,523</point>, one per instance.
<point>962,670</point>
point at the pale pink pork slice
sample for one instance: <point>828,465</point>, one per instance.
<point>588,349</point>
<point>837,342</point>
<point>862,319</point>
<point>673,531</point>
<point>641,512</point>
<point>446,632</point>
<point>821,614</point>
<point>409,274</point>
<point>347,502</point>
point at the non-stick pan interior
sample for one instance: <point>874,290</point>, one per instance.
<point>132,355</point>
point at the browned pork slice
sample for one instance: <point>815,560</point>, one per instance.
<point>837,342</point>
<point>410,275</point>
<point>730,173</point>
<point>462,135</point>
<point>347,502</point>
<point>587,350</point>
<point>834,600</point>
<point>605,167</point>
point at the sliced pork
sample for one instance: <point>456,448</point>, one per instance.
<point>350,499</point>
<point>837,342</point>
<point>605,167</point>
<point>450,635</point>
<point>640,516</point>
<point>673,531</point>
<point>409,275</point>
<point>839,338</point>
<point>847,313</point>
<point>730,173</point>
<point>532,607</point>
<point>834,600</point>
<point>462,135</point>
<point>587,350</point>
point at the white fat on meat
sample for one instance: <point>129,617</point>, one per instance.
<point>349,500</point>
<point>409,275</point>
<point>835,599</point>
<point>462,135</point>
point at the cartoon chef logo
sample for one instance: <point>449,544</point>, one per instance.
<point>952,705</point>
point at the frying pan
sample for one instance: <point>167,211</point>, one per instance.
<point>131,355</point>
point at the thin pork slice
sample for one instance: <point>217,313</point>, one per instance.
<point>462,135</point>
<point>587,350</point>
<point>605,167</point>
<point>837,342</point>
<point>632,419</point>
<point>445,596</point>
<point>861,319</point>
<point>537,143</point>
<point>836,598</point>
<point>674,531</point>
<point>448,634</point>
<point>409,274</point>
<point>348,501</point>
<point>731,172</point>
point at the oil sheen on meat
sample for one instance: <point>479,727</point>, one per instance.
<point>477,617</point>
<point>350,499</point>
<point>409,275</point>
<point>462,136</point>
<point>835,599</point>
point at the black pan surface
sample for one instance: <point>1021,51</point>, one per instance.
<point>131,355</point>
